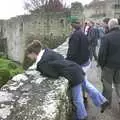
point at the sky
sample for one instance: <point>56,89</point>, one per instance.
<point>11,8</point>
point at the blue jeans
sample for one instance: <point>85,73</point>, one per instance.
<point>85,68</point>
<point>77,97</point>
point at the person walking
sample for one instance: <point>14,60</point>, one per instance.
<point>93,36</point>
<point>78,48</point>
<point>109,60</point>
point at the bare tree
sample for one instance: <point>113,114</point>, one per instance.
<point>53,5</point>
<point>31,5</point>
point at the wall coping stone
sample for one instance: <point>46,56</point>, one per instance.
<point>30,96</point>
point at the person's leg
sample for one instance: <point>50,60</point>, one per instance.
<point>107,78</point>
<point>77,99</point>
<point>85,69</point>
<point>97,97</point>
<point>116,81</point>
<point>91,52</point>
<point>117,88</point>
<point>94,53</point>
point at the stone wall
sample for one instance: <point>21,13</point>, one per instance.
<point>45,26</point>
<point>30,96</point>
<point>49,27</point>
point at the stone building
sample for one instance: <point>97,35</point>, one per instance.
<point>95,9</point>
<point>99,9</point>
<point>112,8</point>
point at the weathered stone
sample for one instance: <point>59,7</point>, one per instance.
<point>30,96</point>
<point>17,32</point>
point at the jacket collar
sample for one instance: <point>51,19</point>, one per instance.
<point>40,56</point>
<point>114,29</point>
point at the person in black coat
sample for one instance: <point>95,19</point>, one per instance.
<point>78,48</point>
<point>109,60</point>
<point>52,64</point>
<point>78,45</point>
<point>93,36</point>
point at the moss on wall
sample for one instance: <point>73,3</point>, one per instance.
<point>8,69</point>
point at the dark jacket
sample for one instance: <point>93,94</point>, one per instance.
<point>109,53</point>
<point>78,48</point>
<point>54,65</point>
<point>93,36</point>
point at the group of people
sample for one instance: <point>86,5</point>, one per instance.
<point>108,56</point>
<point>78,61</point>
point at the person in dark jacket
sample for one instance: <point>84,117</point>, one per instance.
<point>105,21</point>
<point>78,44</point>
<point>52,64</point>
<point>93,36</point>
<point>78,48</point>
<point>109,60</point>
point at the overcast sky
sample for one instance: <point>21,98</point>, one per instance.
<point>10,8</point>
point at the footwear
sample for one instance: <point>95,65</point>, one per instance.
<point>119,105</point>
<point>104,106</point>
<point>84,119</point>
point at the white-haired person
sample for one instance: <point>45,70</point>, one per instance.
<point>109,60</point>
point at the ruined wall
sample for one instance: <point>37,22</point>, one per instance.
<point>38,25</point>
<point>49,27</point>
<point>13,32</point>
<point>30,96</point>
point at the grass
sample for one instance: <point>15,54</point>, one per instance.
<point>8,69</point>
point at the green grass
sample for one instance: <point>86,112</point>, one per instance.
<point>8,69</point>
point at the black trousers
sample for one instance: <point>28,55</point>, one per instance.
<point>110,77</point>
<point>93,53</point>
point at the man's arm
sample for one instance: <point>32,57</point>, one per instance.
<point>73,47</point>
<point>47,70</point>
<point>102,55</point>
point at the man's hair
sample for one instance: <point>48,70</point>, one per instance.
<point>35,46</point>
<point>106,20</point>
<point>113,23</point>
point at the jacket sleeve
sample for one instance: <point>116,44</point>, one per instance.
<point>92,36</point>
<point>103,52</point>
<point>73,47</point>
<point>47,70</point>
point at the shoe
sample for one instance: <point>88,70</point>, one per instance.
<point>104,106</point>
<point>119,105</point>
<point>84,119</point>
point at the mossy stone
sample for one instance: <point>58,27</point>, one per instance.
<point>12,65</point>
<point>4,76</point>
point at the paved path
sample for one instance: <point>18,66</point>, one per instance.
<point>93,112</point>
